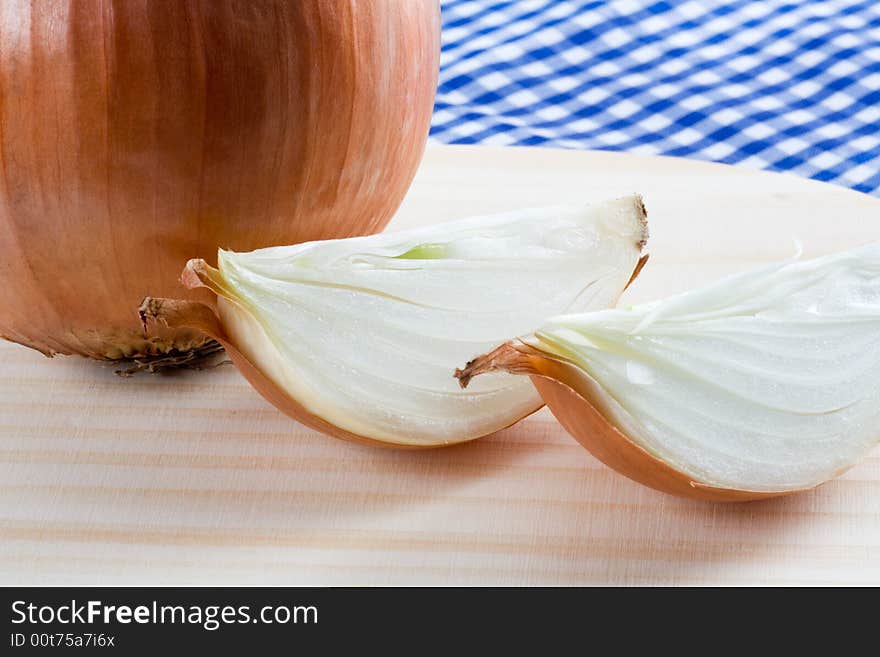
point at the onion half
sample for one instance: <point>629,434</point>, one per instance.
<point>136,135</point>
<point>762,384</point>
<point>358,337</point>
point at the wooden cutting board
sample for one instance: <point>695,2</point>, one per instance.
<point>194,479</point>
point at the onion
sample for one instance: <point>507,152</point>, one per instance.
<point>358,337</point>
<point>138,134</point>
<point>762,384</point>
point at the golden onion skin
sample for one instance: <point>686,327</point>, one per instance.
<point>136,135</point>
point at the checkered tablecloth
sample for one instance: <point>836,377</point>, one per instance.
<point>785,86</point>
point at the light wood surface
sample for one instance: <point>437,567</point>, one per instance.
<point>194,479</point>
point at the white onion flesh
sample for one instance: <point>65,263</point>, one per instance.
<point>765,381</point>
<point>366,332</point>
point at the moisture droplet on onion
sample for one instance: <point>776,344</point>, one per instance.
<point>358,337</point>
<point>762,384</point>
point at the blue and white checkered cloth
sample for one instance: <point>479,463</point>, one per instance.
<point>772,84</point>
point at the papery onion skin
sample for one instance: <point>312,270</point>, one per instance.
<point>567,392</point>
<point>135,135</point>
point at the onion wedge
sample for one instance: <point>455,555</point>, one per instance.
<point>358,337</point>
<point>761,384</point>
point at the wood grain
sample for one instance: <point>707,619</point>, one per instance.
<point>193,479</point>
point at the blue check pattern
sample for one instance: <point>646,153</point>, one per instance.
<point>786,86</point>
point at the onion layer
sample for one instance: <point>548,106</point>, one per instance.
<point>761,384</point>
<point>138,134</point>
<point>358,337</point>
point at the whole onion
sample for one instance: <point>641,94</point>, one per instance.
<point>136,134</point>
